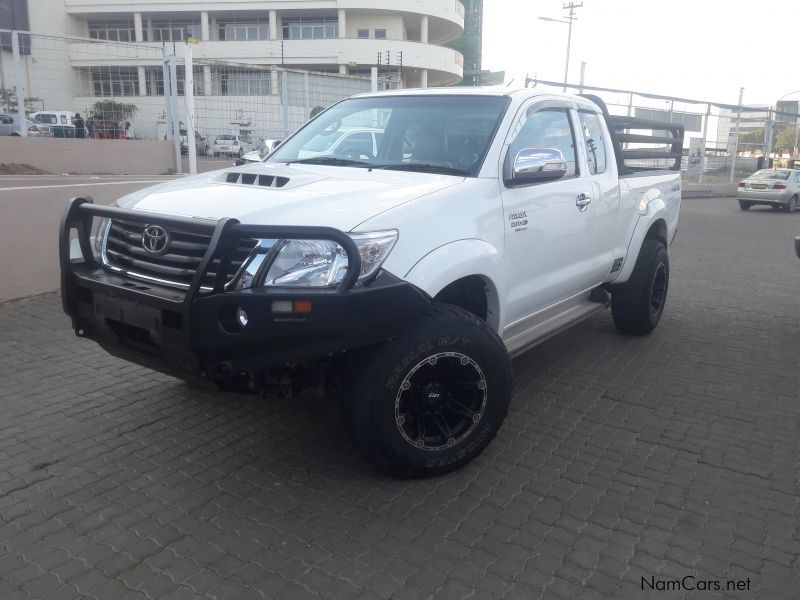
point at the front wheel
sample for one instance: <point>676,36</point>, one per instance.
<point>637,304</point>
<point>792,205</point>
<point>431,400</point>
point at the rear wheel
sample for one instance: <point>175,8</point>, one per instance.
<point>431,400</point>
<point>637,304</point>
<point>744,205</point>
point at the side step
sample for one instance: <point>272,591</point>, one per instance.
<point>600,295</point>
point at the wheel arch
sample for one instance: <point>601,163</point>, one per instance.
<point>655,227</point>
<point>658,231</point>
<point>458,271</point>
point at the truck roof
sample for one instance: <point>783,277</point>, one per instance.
<point>470,91</point>
<point>447,91</point>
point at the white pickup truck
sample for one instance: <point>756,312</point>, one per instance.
<point>406,270</point>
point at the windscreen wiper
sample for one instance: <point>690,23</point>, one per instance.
<point>423,168</point>
<point>329,160</point>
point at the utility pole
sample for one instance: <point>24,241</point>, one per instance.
<point>571,6</point>
<point>736,136</point>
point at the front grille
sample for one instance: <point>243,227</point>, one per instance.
<point>177,266</point>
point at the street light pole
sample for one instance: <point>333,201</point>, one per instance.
<point>571,6</point>
<point>570,18</point>
<point>796,124</point>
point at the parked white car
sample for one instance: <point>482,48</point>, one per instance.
<point>46,120</point>
<point>482,222</point>
<point>352,143</point>
<point>257,156</point>
<point>230,145</point>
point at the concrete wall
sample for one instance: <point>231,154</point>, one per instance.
<point>117,157</point>
<point>30,224</point>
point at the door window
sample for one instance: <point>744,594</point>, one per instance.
<point>593,137</point>
<point>547,128</point>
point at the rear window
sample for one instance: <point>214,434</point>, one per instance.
<point>227,138</point>
<point>771,174</point>
<point>50,119</point>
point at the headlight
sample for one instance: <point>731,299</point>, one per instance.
<point>323,263</point>
<point>100,234</point>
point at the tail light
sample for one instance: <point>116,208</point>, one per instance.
<point>236,142</point>
<point>741,184</point>
<point>779,186</point>
<point>33,129</point>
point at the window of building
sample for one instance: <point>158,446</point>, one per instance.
<point>362,34</point>
<point>109,81</point>
<point>115,31</point>
<point>241,82</point>
<point>243,29</point>
<point>155,80</point>
<point>310,28</point>
<point>380,34</point>
<point>175,30</point>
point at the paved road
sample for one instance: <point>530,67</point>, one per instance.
<point>622,458</point>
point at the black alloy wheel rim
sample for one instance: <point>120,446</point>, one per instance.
<point>658,291</point>
<point>440,401</point>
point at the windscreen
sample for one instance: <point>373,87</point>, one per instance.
<point>437,133</point>
<point>770,174</point>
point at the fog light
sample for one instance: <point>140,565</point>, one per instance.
<point>282,306</point>
<point>241,315</point>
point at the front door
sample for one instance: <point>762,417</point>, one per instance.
<point>549,246</point>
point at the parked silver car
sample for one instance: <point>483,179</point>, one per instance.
<point>10,124</point>
<point>778,188</point>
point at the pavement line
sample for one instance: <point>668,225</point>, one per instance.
<point>66,185</point>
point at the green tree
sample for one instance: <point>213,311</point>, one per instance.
<point>8,99</point>
<point>784,140</point>
<point>111,110</point>
<point>755,136</point>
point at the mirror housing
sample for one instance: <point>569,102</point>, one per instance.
<point>536,165</point>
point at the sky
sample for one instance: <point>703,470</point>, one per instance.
<point>699,49</point>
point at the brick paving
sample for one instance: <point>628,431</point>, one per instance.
<point>622,458</point>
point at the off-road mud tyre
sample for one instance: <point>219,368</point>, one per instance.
<point>431,400</point>
<point>637,304</point>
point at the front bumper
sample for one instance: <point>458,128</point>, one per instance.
<point>194,333</point>
<point>767,197</point>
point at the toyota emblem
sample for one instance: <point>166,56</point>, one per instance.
<point>155,239</point>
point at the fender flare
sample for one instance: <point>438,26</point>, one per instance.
<point>656,210</point>
<point>456,260</point>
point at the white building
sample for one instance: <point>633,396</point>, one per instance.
<point>242,44</point>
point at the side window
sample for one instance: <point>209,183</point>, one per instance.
<point>548,128</point>
<point>6,120</point>
<point>797,177</point>
<point>595,141</point>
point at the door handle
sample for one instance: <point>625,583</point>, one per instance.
<point>583,201</point>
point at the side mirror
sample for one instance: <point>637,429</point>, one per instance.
<point>535,165</point>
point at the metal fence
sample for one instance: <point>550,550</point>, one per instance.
<point>125,90</point>
<point>723,143</point>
